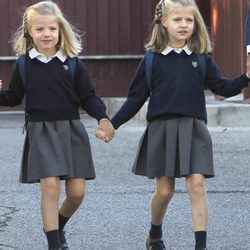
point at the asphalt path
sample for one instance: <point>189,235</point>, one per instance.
<point>115,214</point>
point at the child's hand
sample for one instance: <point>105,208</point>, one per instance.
<point>105,130</point>
<point>248,66</point>
<point>1,85</point>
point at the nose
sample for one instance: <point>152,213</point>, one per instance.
<point>46,33</point>
<point>183,23</point>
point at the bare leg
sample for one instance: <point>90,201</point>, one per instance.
<point>50,194</point>
<point>197,192</point>
<point>161,198</point>
<point>75,189</point>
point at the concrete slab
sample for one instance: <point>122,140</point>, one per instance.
<point>226,113</point>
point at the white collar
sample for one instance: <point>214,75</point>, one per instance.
<point>33,53</point>
<point>177,50</point>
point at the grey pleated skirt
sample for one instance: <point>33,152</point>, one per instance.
<point>59,148</point>
<point>175,148</point>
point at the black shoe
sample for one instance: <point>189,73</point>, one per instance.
<point>204,248</point>
<point>156,244</point>
<point>64,244</point>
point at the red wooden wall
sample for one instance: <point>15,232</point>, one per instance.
<point>114,32</point>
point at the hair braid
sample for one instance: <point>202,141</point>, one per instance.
<point>199,42</point>
<point>158,12</point>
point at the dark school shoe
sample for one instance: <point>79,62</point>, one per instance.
<point>201,248</point>
<point>156,244</point>
<point>64,244</point>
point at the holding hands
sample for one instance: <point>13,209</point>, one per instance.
<point>105,130</point>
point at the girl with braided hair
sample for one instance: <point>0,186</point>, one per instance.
<point>56,145</point>
<point>176,142</point>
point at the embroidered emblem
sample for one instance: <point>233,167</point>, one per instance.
<point>195,64</point>
<point>66,67</point>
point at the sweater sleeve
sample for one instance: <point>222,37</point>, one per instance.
<point>220,85</point>
<point>138,94</point>
<point>90,102</point>
<point>14,95</point>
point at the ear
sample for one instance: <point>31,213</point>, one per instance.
<point>28,31</point>
<point>164,21</point>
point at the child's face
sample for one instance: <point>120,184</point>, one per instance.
<point>44,31</point>
<point>180,25</point>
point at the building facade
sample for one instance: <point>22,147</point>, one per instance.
<point>114,33</point>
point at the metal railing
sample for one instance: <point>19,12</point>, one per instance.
<point>88,58</point>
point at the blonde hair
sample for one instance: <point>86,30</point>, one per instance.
<point>69,39</point>
<point>199,42</point>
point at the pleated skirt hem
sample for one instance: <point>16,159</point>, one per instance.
<point>175,148</point>
<point>56,149</point>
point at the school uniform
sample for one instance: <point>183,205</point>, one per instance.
<point>56,142</point>
<point>176,141</point>
<point>247,42</point>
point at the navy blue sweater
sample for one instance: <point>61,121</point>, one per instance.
<point>51,93</point>
<point>177,88</point>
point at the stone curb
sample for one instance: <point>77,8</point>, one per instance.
<point>219,113</point>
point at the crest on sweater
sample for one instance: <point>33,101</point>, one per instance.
<point>66,67</point>
<point>195,64</point>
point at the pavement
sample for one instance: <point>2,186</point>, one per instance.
<point>115,214</point>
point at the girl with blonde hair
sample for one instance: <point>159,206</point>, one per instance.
<point>56,145</point>
<point>176,142</point>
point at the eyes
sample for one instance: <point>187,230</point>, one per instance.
<point>41,29</point>
<point>179,19</point>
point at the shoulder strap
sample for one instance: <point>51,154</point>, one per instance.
<point>202,68</point>
<point>72,65</point>
<point>21,71</point>
<point>21,67</point>
<point>149,68</point>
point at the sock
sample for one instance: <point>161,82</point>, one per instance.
<point>200,239</point>
<point>62,221</point>
<point>53,239</point>
<point>155,231</point>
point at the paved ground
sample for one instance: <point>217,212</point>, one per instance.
<point>115,213</point>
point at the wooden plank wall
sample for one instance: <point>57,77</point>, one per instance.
<point>109,27</point>
<point>228,32</point>
<point>118,27</point>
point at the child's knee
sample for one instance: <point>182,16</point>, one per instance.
<point>76,195</point>
<point>196,188</point>
<point>51,187</point>
<point>164,195</point>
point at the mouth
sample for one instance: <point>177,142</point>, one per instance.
<point>183,32</point>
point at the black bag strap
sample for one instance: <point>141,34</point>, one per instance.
<point>202,66</point>
<point>72,65</point>
<point>21,67</point>
<point>149,67</point>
